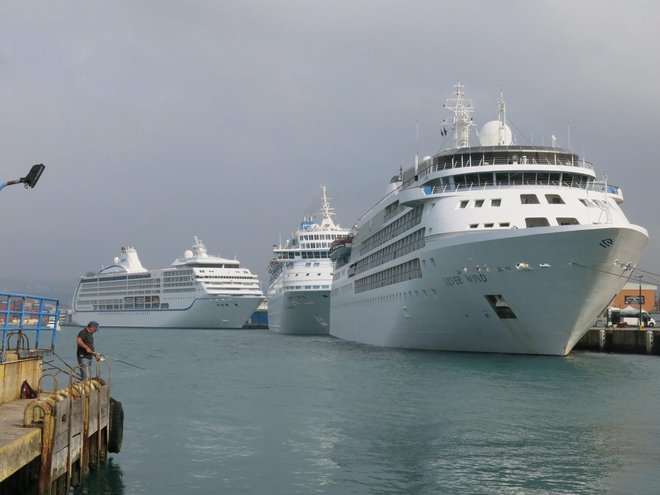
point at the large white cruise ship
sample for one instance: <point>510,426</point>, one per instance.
<point>197,291</point>
<point>490,248</point>
<point>301,276</point>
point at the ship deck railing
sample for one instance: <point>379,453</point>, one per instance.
<point>595,186</point>
<point>425,169</point>
<point>471,161</point>
<point>599,187</point>
<point>28,324</point>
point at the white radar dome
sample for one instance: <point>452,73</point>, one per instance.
<point>493,133</point>
<point>188,254</point>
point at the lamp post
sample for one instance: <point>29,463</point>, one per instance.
<point>30,180</point>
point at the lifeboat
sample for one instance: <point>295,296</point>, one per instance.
<point>273,265</point>
<point>340,248</point>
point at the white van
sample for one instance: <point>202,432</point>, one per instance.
<point>628,317</point>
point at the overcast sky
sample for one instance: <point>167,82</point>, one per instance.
<point>161,120</point>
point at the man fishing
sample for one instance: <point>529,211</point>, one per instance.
<point>85,350</point>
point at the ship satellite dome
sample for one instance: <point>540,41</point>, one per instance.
<point>489,135</point>
<point>394,184</point>
<point>116,260</point>
<point>188,254</point>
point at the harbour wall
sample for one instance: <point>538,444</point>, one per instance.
<point>621,340</point>
<point>49,441</point>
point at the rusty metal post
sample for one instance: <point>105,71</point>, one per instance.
<point>84,453</point>
<point>45,480</point>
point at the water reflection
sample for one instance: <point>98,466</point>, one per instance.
<point>107,480</point>
<point>256,412</point>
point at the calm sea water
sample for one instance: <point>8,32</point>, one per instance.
<point>253,412</point>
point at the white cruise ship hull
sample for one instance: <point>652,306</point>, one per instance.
<point>300,312</point>
<point>554,281</point>
<point>222,312</point>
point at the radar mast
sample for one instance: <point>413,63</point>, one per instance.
<point>501,108</point>
<point>327,212</point>
<point>463,119</point>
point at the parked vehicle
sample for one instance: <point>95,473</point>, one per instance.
<point>628,317</point>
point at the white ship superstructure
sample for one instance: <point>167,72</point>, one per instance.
<point>197,291</point>
<point>490,248</point>
<point>301,277</point>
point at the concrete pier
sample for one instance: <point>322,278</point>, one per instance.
<point>48,443</point>
<point>20,449</point>
<point>621,340</point>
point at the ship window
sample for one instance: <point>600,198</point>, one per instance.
<point>536,222</point>
<point>554,199</point>
<point>495,202</point>
<point>529,199</point>
<point>474,225</point>
<point>567,221</point>
<point>486,179</point>
<point>464,203</point>
<point>502,178</point>
<point>505,224</point>
<point>479,203</point>
<point>567,180</point>
<point>470,179</point>
<point>488,225</point>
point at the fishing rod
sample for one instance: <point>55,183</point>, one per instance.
<point>65,363</point>
<point>105,356</point>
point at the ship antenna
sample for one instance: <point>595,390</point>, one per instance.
<point>463,119</point>
<point>501,108</point>
<point>326,211</point>
<point>417,150</point>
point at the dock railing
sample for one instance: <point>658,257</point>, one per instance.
<point>23,319</point>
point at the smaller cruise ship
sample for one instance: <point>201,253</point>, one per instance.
<point>301,277</point>
<point>197,291</point>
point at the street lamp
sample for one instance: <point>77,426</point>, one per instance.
<point>30,180</point>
